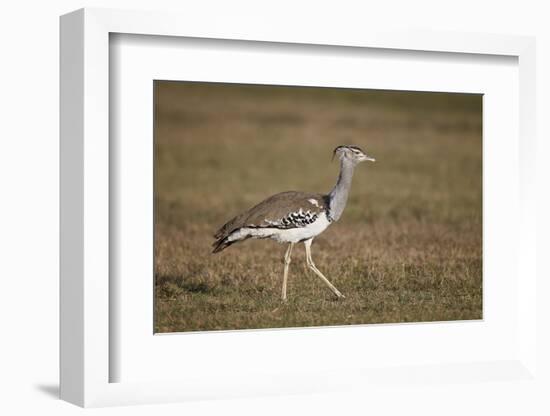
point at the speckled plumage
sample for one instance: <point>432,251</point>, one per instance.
<point>283,211</point>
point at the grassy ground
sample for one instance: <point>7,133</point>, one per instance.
<point>407,248</point>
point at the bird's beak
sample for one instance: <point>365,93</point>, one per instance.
<point>370,159</point>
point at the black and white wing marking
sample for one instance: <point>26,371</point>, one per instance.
<point>282,211</point>
<point>295,219</point>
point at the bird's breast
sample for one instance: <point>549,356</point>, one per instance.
<point>305,232</point>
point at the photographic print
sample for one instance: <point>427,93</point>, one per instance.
<point>291,206</point>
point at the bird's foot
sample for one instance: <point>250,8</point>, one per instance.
<point>339,295</point>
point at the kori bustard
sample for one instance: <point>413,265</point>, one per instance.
<point>294,217</point>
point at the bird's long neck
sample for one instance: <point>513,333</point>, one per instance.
<point>338,197</point>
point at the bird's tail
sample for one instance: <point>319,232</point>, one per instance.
<point>224,241</point>
<point>221,244</point>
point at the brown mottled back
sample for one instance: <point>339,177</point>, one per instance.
<point>274,209</point>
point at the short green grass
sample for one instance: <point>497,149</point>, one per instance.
<point>408,247</point>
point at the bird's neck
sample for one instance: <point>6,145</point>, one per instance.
<point>338,197</point>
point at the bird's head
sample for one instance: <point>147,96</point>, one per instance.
<point>350,153</point>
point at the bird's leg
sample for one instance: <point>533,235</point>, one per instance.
<point>285,273</point>
<point>311,265</point>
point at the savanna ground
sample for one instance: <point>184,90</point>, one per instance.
<point>408,247</point>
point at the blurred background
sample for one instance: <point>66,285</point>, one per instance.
<point>408,247</point>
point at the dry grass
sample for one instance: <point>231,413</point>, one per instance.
<point>408,247</point>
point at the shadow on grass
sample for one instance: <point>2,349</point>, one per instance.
<point>169,285</point>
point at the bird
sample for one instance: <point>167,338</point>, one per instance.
<point>293,217</point>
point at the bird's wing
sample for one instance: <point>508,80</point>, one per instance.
<point>285,210</point>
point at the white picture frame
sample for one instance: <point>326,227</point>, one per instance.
<point>86,356</point>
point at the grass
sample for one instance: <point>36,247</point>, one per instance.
<point>407,248</point>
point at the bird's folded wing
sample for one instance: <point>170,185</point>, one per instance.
<point>285,210</point>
